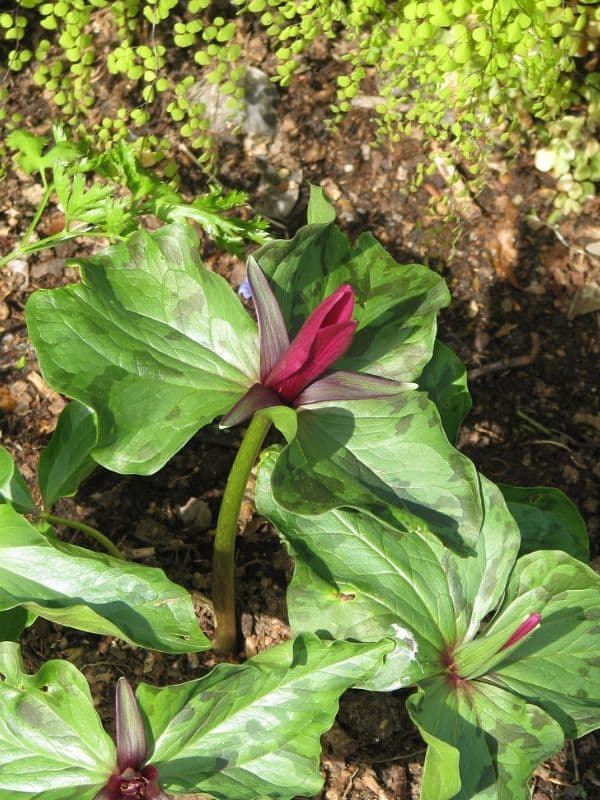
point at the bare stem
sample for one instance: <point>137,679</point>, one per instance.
<point>224,547</point>
<point>102,540</point>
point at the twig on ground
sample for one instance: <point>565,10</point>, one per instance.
<point>563,446</point>
<point>510,363</point>
<point>350,784</point>
<point>403,757</point>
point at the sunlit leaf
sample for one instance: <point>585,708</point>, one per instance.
<point>252,730</point>
<point>153,342</point>
<point>93,592</point>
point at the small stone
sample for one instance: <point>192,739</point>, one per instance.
<point>195,513</point>
<point>50,266</point>
<point>472,309</point>
<point>20,269</point>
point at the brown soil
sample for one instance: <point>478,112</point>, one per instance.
<point>535,385</point>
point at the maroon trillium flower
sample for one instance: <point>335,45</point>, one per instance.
<point>532,621</point>
<point>294,374</point>
<point>131,780</point>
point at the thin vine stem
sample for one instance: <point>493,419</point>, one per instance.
<point>38,214</point>
<point>224,546</point>
<point>102,540</point>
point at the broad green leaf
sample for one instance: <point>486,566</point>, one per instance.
<point>13,623</point>
<point>52,744</point>
<point>253,729</point>
<point>13,489</point>
<point>444,378</point>
<point>93,592</point>
<point>320,208</point>
<point>66,461</point>
<point>548,520</point>
<point>396,305</point>
<point>556,666</point>
<point>499,737</point>
<point>359,579</point>
<point>387,456</point>
<point>156,344</point>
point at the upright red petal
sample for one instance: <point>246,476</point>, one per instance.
<point>324,337</point>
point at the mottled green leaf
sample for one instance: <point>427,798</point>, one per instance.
<point>558,665</point>
<point>156,344</point>
<point>389,456</point>
<point>92,591</point>
<point>396,305</point>
<point>52,745</point>
<point>253,729</point>
<point>13,489</point>
<point>357,578</point>
<point>548,520</point>
<point>444,379</point>
<point>499,737</point>
<point>66,461</point>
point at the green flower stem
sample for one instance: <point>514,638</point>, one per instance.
<point>48,188</point>
<point>224,547</point>
<point>102,540</point>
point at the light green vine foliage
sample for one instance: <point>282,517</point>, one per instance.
<point>570,152</point>
<point>464,71</point>
<point>467,72</point>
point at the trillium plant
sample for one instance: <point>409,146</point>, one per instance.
<point>411,568</point>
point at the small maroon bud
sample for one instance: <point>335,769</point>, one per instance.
<point>532,621</point>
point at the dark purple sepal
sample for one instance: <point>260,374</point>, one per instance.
<point>273,335</point>
<point>132,750</point>
<point>350,386</point>
<point>254,400</point>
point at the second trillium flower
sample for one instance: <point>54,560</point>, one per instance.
<point>132,778</point>
<point>294,373</point>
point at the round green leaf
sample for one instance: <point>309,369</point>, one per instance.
<point>152,341</point>
<point>388,456</point>
<point>445,381</point>
<point>252,730</point>
<point>52,745</point>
